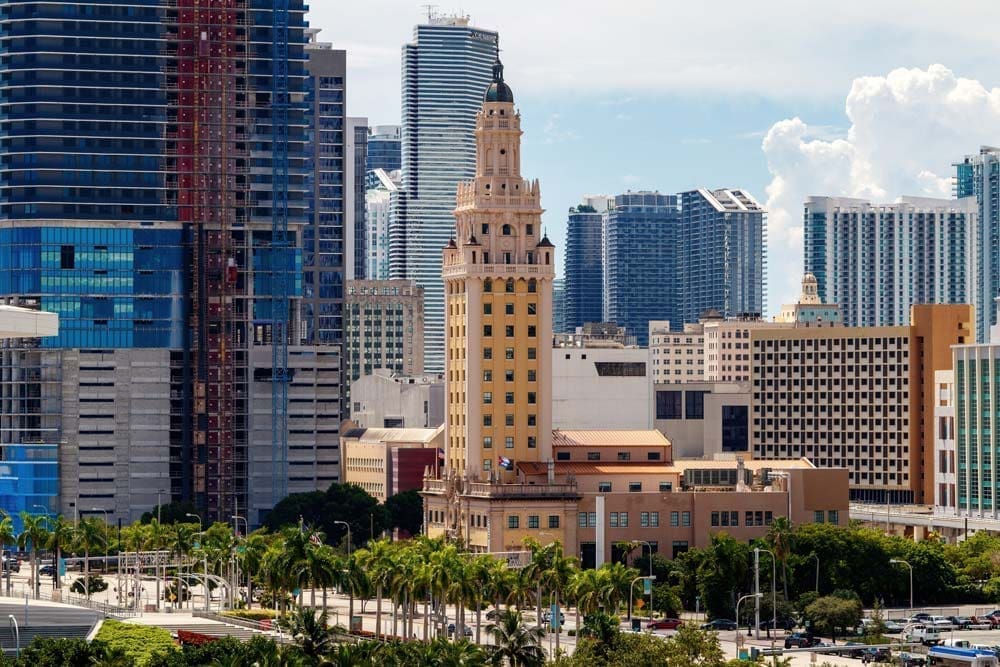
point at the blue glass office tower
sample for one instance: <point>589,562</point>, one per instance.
<point>445,71</point>
<point>385,148</point>
<point>640,262</point>
<point>723,240</point>
<point>140,177</point>
<point>583,268</point>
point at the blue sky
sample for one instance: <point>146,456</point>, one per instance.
<point>784,98</point>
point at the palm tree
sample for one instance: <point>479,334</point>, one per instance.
<point>541,557</point>
<point>34,535</point>
<point>7,536</point>
<point>251,559</point>
<point>295,556</point>
<point>780,535</point>
<point>89,533</point>
<point>558,575</point>
<point>60,536</point>
<point>514,644</point>
<point>586,587</point>
<point>323,568</point>
<point>377,561</point>
<point>310,632</point>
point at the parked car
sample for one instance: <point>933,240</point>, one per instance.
<point>466,630</point>
<point>801,640</point>
<point>940,622</point>
<point>665,624</point>
<point>719,624</point>
<point>960,622</point>
<point>47,571</point>
<point>850,650</point>
<point>893,627</point>
<point>783,623</point>
<point>911,660</point>
<point>12,564</point>
<point>547,617</point>
<point>878,655</point>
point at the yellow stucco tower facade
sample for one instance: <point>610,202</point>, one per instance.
<point>498,274</point>
<point>498,271</point>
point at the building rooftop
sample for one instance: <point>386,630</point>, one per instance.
<point>377,435</point>
<point>676,468</point>
<point>17,322</point>
<point>609,438</point>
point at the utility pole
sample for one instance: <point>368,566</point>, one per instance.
<point>756,593</point>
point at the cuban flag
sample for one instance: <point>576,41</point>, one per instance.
<point>506,463</point>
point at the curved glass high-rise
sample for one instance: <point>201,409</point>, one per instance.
<point>445,71</point>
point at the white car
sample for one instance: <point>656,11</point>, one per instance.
<point>926,635</point>
<point>940,623</point>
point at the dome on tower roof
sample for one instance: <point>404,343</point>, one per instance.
<point>498,90</point>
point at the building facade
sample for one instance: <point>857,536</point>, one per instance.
<point>601,386</point>
<point>703,419</point>
<point>857,397</point>
<point>162,215</point>
<point>677,356</point>
<point>877,261</point>
<point>977,185</point>
<point>381,201</point>
<point>385,328</point>
<point>389,400</point>
<point>583,266</point>
<point>385,148</point>
<point>723,234</point>
<point>445,70</point>
<point>355,185</point>
<point>945,468</point>
<point>559,305</point>
<point>387,461</point>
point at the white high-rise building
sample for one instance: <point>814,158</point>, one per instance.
<point>380,202</point>
<point>445,70</point>
<point>876,261</point>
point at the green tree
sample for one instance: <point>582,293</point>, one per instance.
<point>321,509</point>
<point>34,535</point>
<point>692,646</point>
<point>406,512</point>
<point>89,533</point>
<point>723,570</point>
<point>780,535</point>
<point>514,644</point>
<point>309,631</point>
<point>170,513</point>
<point>7,536</point>
<point>60,537</point>
<point>831,614</point>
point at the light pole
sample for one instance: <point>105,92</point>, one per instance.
<point>107,546</point>
<point>738,602</point>
<point>650,579</point>
<point>158,504</point>
<point>348,527</point>
<point>650,547</point>
<point>903,562</point>
<point>246,525</point>
<point>44,509</point>
<point>774,595</point>
<point>204,553</point>
<point>817,572</point>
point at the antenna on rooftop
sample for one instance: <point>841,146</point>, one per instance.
<point>430,11</point>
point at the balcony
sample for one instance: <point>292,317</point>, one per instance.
<point>523,491</point>
<point>500,270</point>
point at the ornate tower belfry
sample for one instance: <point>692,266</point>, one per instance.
<point>498,277</point>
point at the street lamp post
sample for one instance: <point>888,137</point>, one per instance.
<point>910,567</point>
<point>246,525</point>
<point>738,602</point>
<point>204,553</point>
<point>817,572</point>
<point>774,595</point>
<point>650,578</point>
<point>650,547</point>
<point>348,527</point>
<point>107,548</point>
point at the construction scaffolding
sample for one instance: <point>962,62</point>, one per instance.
<point>207,136</point>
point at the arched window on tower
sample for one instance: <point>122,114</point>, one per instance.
<point>510,286</point>
<point>546,257</point>
<point>532,286</point>
<point>487,285</point>
<point>506,230</point>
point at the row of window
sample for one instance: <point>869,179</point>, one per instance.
<point>508,308</point>
<point>508,442</point>
<point>508,353</point>
<point>596,456</point>
<point>514,521</point>
<point>509,398</point>
<point>731,518</point>
<point>508,375</point>
<point>508,420</point>
<point>509,331</point>
<point>646,519</point>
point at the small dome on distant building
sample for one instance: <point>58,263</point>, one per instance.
<point>473,240</point>
<point>810,289</point>
<point>451,243</point>
<point>545,242</point>
<point>498,90</point>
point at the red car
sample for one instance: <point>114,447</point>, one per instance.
<point>665,624</point>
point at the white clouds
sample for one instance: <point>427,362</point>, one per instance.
<point>556,132</point>
<point>906,130</point>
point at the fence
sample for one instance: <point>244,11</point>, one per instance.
<point>20,591</point>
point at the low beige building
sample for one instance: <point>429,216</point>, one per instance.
<point>387,461</point>
<point>609,487</point>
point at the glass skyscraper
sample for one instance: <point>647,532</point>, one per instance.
<point>723,240</point>
<point>640,261</point>
<point>977,179</point>
<point>138,176</point>
<point>385,146</point>
<point>445,71</point>
<point>582,265</point>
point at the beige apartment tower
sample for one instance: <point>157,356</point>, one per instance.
<point>498,273</point>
